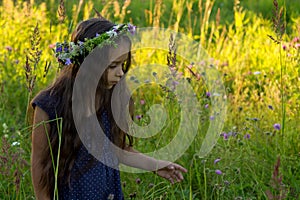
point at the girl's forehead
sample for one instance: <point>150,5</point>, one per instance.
<point>120,53</point>
<point>121,58</point>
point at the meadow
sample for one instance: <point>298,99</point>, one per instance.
<point>255,48</point>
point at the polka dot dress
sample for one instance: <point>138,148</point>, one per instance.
<point>90,179</point>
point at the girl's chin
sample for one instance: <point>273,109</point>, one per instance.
<point>111,85</point>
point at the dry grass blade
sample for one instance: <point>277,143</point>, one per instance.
<point>171,57</point>
<point>61,11</point>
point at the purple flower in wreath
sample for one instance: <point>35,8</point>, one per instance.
<point>81,43</point>
<point>68,61</point>
<point>66,49</point>
<point>131,29</point>
<point>58,49</point>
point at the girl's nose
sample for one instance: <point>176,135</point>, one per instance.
<point>119,71</point>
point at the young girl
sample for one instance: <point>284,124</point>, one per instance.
<point>80,174</point>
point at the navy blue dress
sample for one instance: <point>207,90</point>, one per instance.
<point>99,182</point>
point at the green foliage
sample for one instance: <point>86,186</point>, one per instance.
<point>260,76</point>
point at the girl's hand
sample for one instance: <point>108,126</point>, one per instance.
<point>172,172</point>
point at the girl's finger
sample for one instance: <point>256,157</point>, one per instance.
<point>179,175</point>
<point>176,177</point>
<point>180,168</point>
<point>171,167</point>
<point>171,180</point>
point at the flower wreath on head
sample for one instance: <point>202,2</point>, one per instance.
<point>69,53</point>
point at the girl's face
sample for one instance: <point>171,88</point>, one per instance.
<point>115,69</point>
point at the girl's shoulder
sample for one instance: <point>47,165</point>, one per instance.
<point>47,101</point>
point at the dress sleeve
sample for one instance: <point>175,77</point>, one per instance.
<point>46,102</point>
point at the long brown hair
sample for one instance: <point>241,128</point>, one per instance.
<point>63,88</point>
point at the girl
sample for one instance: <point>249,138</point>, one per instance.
<point>80,174</point>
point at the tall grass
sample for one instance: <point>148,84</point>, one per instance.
<point>261,78</point>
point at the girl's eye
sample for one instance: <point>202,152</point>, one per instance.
<point>112,66</point>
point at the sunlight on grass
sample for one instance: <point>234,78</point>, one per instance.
<point>257,154</point>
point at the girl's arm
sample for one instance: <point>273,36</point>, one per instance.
<point>168,170</point>
<point>39,142</point>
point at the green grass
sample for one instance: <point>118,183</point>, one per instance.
<point>260,77</point>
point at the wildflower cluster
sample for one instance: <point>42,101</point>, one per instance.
<point>69,53</point>
<point>292,49</point>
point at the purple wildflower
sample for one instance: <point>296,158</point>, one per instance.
<point>142,101</point>
<point>217,160</point>
<point>225,136</point>
<point>8,48</point>
<point>139,117</point>
<point>219,172</point>
<point>58,49</point>
<point>131,29</point>
<point>174,83</point>
<point>138,181</point>
<point>208,94</point>
<point>277,126</point>
<point>284,47</point>
<point>68,61</point>
<point>212,117</point>
<point>270,107</point>
<point>97,34</point>
<point>247,136</point>
<point>206,105</point>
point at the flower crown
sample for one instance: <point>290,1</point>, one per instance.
<point>68,53</point>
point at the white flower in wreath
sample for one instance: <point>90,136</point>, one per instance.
<point>112,33</point>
